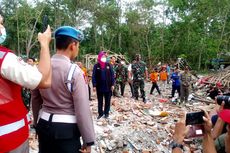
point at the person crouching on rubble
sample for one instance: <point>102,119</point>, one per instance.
<point>103,84</point>
<point>214,91</point>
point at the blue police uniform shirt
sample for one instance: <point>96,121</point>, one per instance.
<point>176,79</point>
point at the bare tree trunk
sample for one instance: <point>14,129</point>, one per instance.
<point>111,43</point>
<point>162,33</point>
<point>95,39</point>
<point>18,36</point>
<point>199,60</point>
<point>102,39</point>
<point>119,32</point>
<point>148,47</point>
<point>162,44</point>
<point>222,32</point>
<point>29,45</point>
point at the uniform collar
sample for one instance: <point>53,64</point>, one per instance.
<point>61,57</point>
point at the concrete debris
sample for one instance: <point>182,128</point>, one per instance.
<point>136,127</point>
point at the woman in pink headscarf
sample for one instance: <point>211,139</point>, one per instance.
<point>103,84</point>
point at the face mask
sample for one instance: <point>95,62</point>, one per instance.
<point>2,35</point>
<point>103,59</point>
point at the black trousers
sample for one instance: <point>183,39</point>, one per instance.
<point>107,96</point>
<point>58,137</point>
<point>155,85</point>
<point>89,89</point>
<point>131,88</point>
<point>174,89</point>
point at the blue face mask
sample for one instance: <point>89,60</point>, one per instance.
<point>2,35</point>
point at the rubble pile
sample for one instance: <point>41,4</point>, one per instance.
<point>222,77</point>
<point>137,127</point>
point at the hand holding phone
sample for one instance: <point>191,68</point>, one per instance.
<point>194,118</point>
<point>196,124</point>
<point>225,99</point>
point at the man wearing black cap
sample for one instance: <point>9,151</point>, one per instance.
<point>65,113</point>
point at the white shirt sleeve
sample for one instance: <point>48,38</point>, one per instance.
<point>16,70</point>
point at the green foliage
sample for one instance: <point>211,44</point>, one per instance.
<point>198,30</point>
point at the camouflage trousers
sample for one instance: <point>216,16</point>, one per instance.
<point>139,84</point>
<point>184,93</point>
<point>116,90</point>
<point>122,87</point>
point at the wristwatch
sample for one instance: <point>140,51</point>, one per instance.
<point>174,145</point>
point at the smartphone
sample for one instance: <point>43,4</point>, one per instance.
<point>44,23</point>
<point>194,118</point>
<point>195,131</point>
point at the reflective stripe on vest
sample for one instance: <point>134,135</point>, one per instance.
<point>9,128</point>
<point>14,129</point>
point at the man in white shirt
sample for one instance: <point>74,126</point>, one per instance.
<point>15,73</point>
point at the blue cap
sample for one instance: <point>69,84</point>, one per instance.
<point>69,31</point>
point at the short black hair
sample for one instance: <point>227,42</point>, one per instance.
<point>33,59</point>
<point>113,57</point>
<point>62,42</point>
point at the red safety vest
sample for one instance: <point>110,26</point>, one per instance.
<point>14,129</point>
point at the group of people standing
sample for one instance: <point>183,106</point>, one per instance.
<point>181,82</point>
<point>111,74</point>
<point>59,96</point>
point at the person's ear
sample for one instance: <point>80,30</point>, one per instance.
<point>72,46</point>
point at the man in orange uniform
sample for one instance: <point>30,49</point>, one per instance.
<point>15,73</point>
<point>163,77</point>
<point>154,78</point>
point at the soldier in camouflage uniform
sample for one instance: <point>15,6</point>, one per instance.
<point>121,76</point>
<point>114,64</point>
<point>140,72</point>
<point>25,92</point>
<point>186,79</point>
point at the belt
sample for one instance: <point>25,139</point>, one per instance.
<point>58,118</point>
<point>9,128</point>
